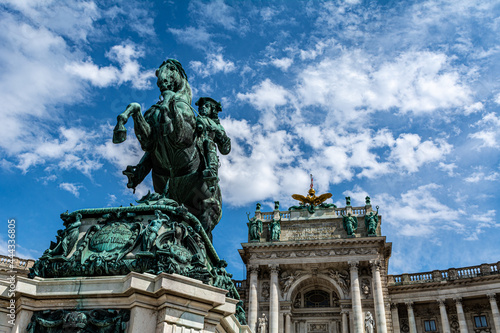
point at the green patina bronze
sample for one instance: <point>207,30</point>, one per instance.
<point>180,147</point>
<point>168,231</point>
<point>60,321</point>
<point>350,223</point>
<point>254,228</point>
<point>312,208</point>
<point>371,223</point>
<point>275,230</point>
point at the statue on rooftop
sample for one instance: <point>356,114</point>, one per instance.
<point>275,230</point>
<point>371,223</point>
<point>179,147</point>
<point>254,228</point>
<point>350,223</point>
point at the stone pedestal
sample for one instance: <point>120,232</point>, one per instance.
<point>163,303</point>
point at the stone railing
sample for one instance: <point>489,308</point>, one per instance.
<point>444,275</point>
<point>285,215</point>
<point>240,283</point>
<point>268,216</point>
<point>19,264</point>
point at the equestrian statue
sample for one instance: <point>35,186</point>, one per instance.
<point>180,146</point>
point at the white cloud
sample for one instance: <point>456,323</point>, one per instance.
<point>71,188</point>
<point>282,63</point>
<point>268,13</point>
<point>416,82</point>
<point>196,37</point>
<point>130,71</point>
<point>474,108</point>
<point>497,99</point>
<point>265,95</point>
<point>484,220</point>
<point>420,213</point>
<point>215,64</point>
<point>409,153</point>
<point>488,138</point>
<point>318,49</point>
<point>33,80</point>
<point>481,176</point>
<point>61,150</point>
<point>449,168</point>
<point>72,19</point>
<point>214,13</point>
<point>489,134</point>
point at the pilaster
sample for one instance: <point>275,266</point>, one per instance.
<point>461,316</point>
<point>444,316</point>
<point>411,317</point>
<point>395,318</point>
<point>494,311</point>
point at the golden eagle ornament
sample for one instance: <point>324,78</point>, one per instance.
<point>311,198</point>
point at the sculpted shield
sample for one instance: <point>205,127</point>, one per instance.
<point>110,242</point>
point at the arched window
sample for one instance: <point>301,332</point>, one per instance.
<point>317,299</point>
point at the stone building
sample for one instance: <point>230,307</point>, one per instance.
<point>310,269</point>
<point>317,275</point>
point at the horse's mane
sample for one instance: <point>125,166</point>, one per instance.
<point>183,88</point>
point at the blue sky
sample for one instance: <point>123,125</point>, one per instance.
<point>399,100</point>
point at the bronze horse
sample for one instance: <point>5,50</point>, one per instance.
<point>167,133</point>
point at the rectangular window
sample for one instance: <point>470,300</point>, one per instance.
<point>480,321</point>
<point>430,325</point>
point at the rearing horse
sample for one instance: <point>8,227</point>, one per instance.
<point>167,133</point>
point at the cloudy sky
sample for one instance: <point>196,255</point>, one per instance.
<point>399,100</point>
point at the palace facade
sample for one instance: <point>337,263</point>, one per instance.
<point>318,269</point>
<point>321,276</point>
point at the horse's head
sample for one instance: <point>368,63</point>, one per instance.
<point>171,76</point>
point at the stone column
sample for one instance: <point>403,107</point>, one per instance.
<point>345,323</point>
<point>253,302</point>
<point>395,318</point>
<point>378,298</point>
<point>411,317</point>
<point>356,298</point>
<point>444,316</point>
<point>494,311</point>
<point>461,316</point>
<point>288,323</point>
<point>274,309</point>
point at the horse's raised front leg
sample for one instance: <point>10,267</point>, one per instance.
<point>141,126</point>
<point>120,132</point>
